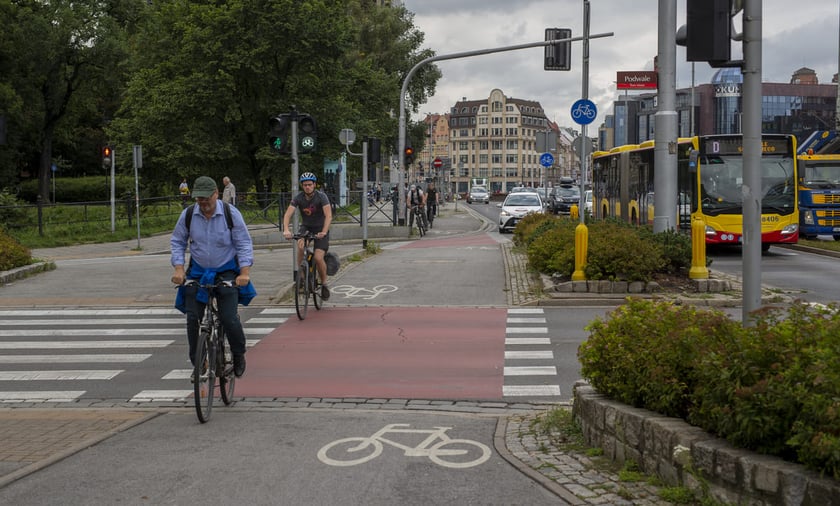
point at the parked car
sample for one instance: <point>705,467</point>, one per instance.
<point>478,194</point>
<point>587,202</point>
<point>562,198</point>
<point>516,206</point>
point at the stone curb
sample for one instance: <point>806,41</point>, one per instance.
<point>24,271</point>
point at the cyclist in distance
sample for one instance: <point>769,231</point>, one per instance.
<point>220,250</point>
<point>315,217</point>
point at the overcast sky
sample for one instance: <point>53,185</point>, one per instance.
<point>796,34</point>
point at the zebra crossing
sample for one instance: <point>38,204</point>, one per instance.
<point>74,351</point>
<point>529,369</point>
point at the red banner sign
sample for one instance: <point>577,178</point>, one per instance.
<point>638,80</point>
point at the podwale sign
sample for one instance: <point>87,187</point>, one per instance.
<point>638,80</point>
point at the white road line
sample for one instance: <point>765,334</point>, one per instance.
<point>525,320</point>
<point>140,322</point>
<point>516,341</point>
<point>68,375</point>
<point>531,390</point>
<point>278,310</point>
<point>531,371</point>
<point>46,396</point>
<point>66,345</point>
<point>89,312</point>
<point>258,330</point>
<point>162,395</point>
<point>91,332</point>
<point>73,359</point>
<point>250,343</point>
<point>525,310</point>
<point>178,374</point>
<point>529,355</point>
<point>526,330</point>
<point>266,320</point>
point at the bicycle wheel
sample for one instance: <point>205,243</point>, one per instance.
<point>317,301</point>
<point>204,377</point>
<point>421,224</point>
<point>302,291</point>
<point>227,380</point>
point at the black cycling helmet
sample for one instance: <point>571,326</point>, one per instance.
<point>308,176</point>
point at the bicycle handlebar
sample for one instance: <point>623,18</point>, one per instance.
<point>220,284</point>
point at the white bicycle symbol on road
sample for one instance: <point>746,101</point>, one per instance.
<point>440,448</point>
<point>363,293</point>
<point>583,110</point>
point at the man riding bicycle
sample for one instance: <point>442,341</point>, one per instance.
<point>416,203</point>
<point>315,217</point>
<point>220,250</point>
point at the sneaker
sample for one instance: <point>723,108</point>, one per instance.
<point>325,292</point>
<point>238,365</point>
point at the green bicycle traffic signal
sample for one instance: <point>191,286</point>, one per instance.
<point>280,136</point>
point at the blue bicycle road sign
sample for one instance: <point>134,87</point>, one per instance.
<point>546,160</point>
<point>584,111</point>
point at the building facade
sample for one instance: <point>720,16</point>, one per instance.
<point>798,107</point>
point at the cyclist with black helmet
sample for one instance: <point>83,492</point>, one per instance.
<point>315,217</point>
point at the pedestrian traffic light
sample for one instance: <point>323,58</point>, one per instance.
<point>307,133</point>
<point>409,155</point>
<point>278,134</point>
<point>107,156</point>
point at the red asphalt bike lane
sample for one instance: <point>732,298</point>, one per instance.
<point>382,352</point>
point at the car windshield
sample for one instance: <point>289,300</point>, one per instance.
<point>567,192</point>
<point>479,190</point>
<point>523,200</point>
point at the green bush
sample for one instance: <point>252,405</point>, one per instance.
<point>12,215</point>
<point>617,251</point>
<point>81,189</point>
<point>548,249</point>
<point>12,253</point>
<point>773,387</point>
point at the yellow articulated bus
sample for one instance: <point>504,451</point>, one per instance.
<point>709,179</point>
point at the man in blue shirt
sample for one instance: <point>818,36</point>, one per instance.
<point>217,252</point>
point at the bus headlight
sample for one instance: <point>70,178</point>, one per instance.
<point>808,217</point>
<point>790,229</point>
<point>710,230</point>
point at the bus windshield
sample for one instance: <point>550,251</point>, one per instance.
<point>821,175</point>
<point>721,178</point>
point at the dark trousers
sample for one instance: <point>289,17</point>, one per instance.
<point>228,300</point>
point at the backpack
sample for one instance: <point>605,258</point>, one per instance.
<point>228,216</point>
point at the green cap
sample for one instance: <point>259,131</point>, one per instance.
<point>204,187</point>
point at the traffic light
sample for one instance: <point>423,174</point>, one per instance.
<point>307,134</point>
<point>107,156</point>
<point>558,56</point>
<point>707,34</point>
<point>374,150</point>
<point>279,133</point>
<point>409,155</point>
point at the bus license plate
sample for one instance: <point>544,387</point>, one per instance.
<point>835,229</point>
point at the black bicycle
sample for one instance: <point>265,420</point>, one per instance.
<point>308,282</point>
<point>213,358</point>
<point>420,218</point>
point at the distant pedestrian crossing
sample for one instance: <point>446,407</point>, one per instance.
<point>529,370</point>
<point>63,355</point>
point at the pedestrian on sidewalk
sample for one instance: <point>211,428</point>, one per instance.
<point>184,190</point>
<point>229,194</point>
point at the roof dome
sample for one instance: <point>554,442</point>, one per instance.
<point>728,75</point>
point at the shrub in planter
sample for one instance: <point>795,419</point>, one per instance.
<point>12,253</point>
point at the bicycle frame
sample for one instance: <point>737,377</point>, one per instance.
<point>307,281</point>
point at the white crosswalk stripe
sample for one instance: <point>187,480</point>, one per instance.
<point>35,343</point>
<point>528,321</point>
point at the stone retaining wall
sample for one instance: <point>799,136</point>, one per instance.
<point>632,287</point>
<point>681,454</point>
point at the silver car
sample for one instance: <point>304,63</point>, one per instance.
<point>516,206</point>
<point>478,194</point>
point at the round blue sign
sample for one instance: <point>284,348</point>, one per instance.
<point>584,111</point>
<point>546,160</point>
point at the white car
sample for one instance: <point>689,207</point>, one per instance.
<point>587,202</point>
<point>516,206</point>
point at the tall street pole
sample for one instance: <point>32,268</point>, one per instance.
<point>584,94</point>
<point>665,129</point>
<point>751,189</point>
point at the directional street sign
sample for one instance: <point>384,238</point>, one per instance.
<point>546,160</point>
<point>584,112</point>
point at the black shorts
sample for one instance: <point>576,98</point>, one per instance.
<point>323,244</point>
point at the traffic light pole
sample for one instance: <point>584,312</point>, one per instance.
<point>454,56</point>
<point>113,191</point>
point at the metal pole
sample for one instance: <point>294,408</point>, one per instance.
<point>364,193</point>
<point>113,191</point>
<point>665,129</point>
<point>295,187</point>
<point>751,189</point>
<point>584,141</point>
<point>138,164</point>
<point>691,111</point>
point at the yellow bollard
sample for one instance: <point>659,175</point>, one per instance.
<point>698,250</point>
<point>581,247</point>
<point>573,212</point>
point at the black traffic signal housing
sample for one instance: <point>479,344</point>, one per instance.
<point>558,56</point>
<point>307,133</point>
<point>279,134</point>
<point>107,156</point>
<point>408,154</point>
<point>707,34</point>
